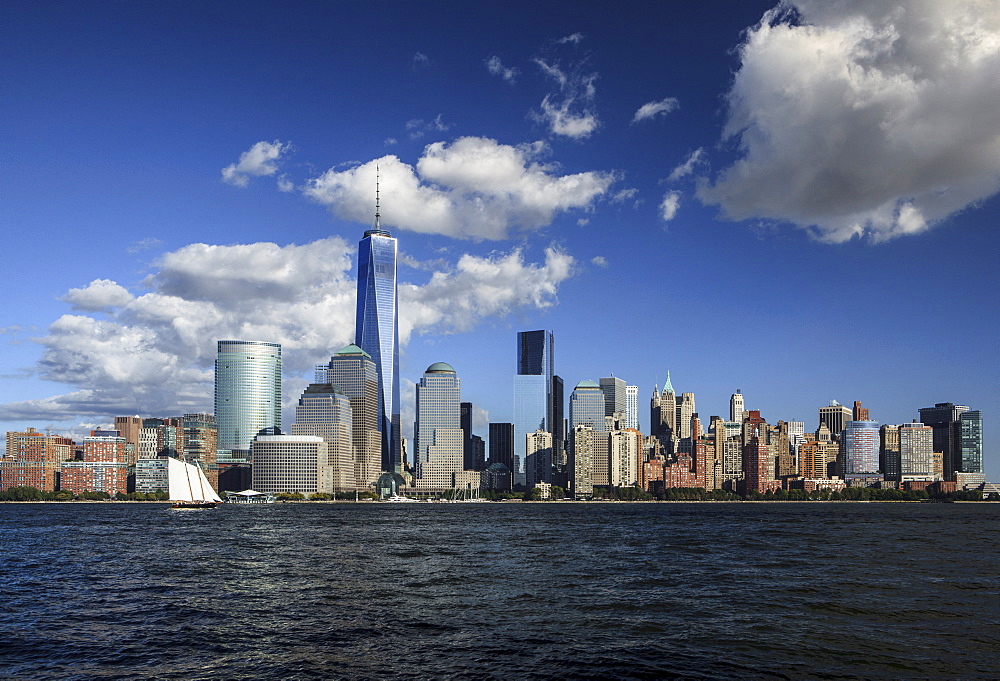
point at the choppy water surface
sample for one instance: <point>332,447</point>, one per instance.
<point>469,591</point>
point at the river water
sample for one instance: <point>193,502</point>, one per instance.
<point>501,591</point>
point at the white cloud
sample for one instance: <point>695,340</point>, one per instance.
<point>420,59</point>
<point>668,207</point>
<point>575,39</point>
<point>496,67</point>
<point>153,353</point>
<point>599,260</point>
<point>417,127</point>
<point>143,245</point>
<point>390,141</point>
<point>285,184</point>
<point>473,188</point>
<point>624,195</point>
<point>569,112</point>
<point>696,158</point>
<point>863,118</point>
<point>258,161</point>
<point>651,109</point>
<point>99,294</point>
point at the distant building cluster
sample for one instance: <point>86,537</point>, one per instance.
<point>346,436</point>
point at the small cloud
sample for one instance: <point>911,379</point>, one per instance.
<point>285,185</point>
<point>652,109</point>
<point>418,127</point>
<point>420,59</point>
<point>258,161</point>
<point>696,158</point>
<point>668,207</point>
<point>143,245</point>
<point>496,67</point>
<point>599,260</point>
<point>389,141</point>
<point>574,38</point>
<point>569,112</point>
<point>583,222</point>
<point>624,195</point>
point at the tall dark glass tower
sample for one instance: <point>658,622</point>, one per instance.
<point>377,330</point>
<point>538,399</point>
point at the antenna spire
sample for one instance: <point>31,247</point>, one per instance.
<point>377,216</point>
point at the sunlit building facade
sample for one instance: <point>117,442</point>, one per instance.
<point>247,394</point>
<point>438,430</point>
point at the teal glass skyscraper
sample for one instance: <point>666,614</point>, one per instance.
<point>247,394</point>
<point>377,331</point>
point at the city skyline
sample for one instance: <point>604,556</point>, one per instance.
<point>610,181</point>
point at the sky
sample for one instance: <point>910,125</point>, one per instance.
<point>797,200</point>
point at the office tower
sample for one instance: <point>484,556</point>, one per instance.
<point>663,416</point>
<point>970,442</point>
<point>438,430</point>
<point>586,408</point>
<point>581,458</point>
<point>859,412</point>
<point>247,394</point>
<point>33,459</point>
<point>944,417</point>
<point>130,428</point>
<point>352,371</point>
<point>685,409</point>
<point>780,442</point>
<point>861,448</point>
<point>502,444</point>
<point>835,416</point>
<point>814,458</point>
<point>377,331</point>
<point>161,438</point>
<point>473,446</point>
<point>291,463</point>
<point>632,406</point>
<point>538,458</point>
<point>736,407</point>
<point>325,411</point>
<point>558,429</point>
<point>201,443</point>
<point>916,451</point>
<point>889,462</point>
<point>615,400</point>
<point>538,392</point>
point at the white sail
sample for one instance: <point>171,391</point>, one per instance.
<point>188,483</point>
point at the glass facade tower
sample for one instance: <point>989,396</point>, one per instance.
<point>247,394</point>
<point>537,393</point>
<point>861,448</point>
<point>970,457</point>
<point>377,333</point>
<point>438,430</point>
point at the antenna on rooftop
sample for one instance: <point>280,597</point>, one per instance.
<point>377,215</point>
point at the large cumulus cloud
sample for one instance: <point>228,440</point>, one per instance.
<point>860,118</point>
<point>152,352</point>
<point>472,188</point>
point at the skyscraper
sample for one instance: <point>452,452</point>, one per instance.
<point>943,418</point>
<point>835,416</point>
<point>663,416</point>
<point>861,448</point>
<point>247,394</point>
<point>438,430</point>
<point>502,444</point>
<point>736,407</point>
<point>916,450</point>
<point>632,406</point>
<point>352,371</point>
<point>970,442</point>
<point>615,400</point>
<point>537,391</point>
<point>325,411</point>
<point>376,330</point>
<point>590,462</point>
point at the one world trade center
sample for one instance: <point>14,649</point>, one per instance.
<point>377,331</point>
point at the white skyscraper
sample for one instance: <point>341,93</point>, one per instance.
<point>632,406</point>
<point>736,407</point>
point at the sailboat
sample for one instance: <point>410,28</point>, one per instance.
<point>188,487</point>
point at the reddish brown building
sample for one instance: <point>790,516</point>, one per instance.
<point>33,460</point>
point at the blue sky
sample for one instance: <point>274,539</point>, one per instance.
<point>798,201</point>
